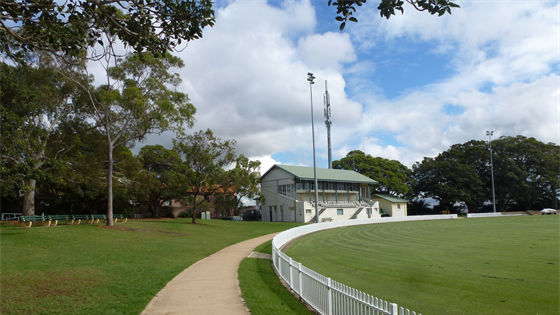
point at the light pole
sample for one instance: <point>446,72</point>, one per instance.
<point>310,78</point>
<point>489,134</point>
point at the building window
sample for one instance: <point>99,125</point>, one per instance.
<point>286,190</point>
<point>364,194</point>
<point>340,211</point>
<point>308,211</point>
<point>398,206</point>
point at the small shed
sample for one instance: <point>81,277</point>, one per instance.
<point>394,206</point>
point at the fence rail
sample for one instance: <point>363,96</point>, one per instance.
<point>324,294</point>
<point>493,214</point>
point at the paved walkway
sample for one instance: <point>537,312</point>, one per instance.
<point>209,286</point>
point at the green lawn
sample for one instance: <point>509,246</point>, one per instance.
<point>480,266</point>
<point>86,269</point>
<point>261,289</point>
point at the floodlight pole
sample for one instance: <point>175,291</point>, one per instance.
<point>328,121</point>
<point>489,134</point>
<point>310,78</point>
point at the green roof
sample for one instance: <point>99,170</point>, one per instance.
<point>388,198</point>
<point>324,174</point>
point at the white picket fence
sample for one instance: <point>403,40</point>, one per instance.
<point>493,214</point>
<point>324,294</point>
<point>484,215</point>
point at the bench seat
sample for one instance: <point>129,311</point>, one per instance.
<point>27,220</point>
<point>59,217</point>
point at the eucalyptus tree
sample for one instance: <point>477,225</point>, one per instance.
<point>36,103</point>
<point>201,171</point>
<point>139,98</point>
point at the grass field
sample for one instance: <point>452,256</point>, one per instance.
<point>86,269</point>
<point>480,266</point>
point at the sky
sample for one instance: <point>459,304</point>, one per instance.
<point>403,89</point>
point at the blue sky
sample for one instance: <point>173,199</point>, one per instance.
<point>403,88</point>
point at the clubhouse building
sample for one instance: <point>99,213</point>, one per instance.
<point>342,195</point>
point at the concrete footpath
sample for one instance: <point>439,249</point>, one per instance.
<point>209,286</point>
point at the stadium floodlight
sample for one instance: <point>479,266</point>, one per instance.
<point>489,134</point>
<point>310,78</point>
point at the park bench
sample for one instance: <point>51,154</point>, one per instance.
<point>80,217</point>
<point>116,217</point>
<point>27,220</point>
<point>59,217</point>
<point>326,220</point>
<point>96,217</point>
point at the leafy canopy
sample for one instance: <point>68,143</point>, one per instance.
<point>72,26</point>
<point>346,8</point>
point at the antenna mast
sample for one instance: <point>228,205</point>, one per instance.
<point>328,121</point>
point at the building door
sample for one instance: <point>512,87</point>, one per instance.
<point>293,215</point>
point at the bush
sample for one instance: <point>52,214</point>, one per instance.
<point>184,214</point>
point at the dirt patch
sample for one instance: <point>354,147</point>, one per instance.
<point>115,227</point>
<point>122,228</point>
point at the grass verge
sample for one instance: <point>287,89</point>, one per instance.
<point>478,266</point>
<point>86,269</point>
<point>265,248</point>
<point>262,291</point>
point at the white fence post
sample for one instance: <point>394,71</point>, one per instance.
<point>290,273</point>
<point>394,309</point>
<point>300,282</point>
<point>329,296</point>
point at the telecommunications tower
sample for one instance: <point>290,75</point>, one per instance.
<point>328,121</point>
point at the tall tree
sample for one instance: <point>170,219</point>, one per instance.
<point>243,181</point>
<point>158,165</point>
<point>139,98</point>
<point>550,171</point>
<point>200,173</point>
<point>393,177</point>
<point>526,171</point>
<point>447,180</point>
<point>36,103</point>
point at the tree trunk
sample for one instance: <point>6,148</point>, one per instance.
<point>29,198</point>
<point>554,197</point>
<point>155,211</point>
<point>110,187</point>
<point>194,209</point>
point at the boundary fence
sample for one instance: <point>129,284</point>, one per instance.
<point>324,294</point>
<point>493,214</point>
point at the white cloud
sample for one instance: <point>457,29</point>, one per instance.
<point>329,50</point>
<point>247,78</point>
